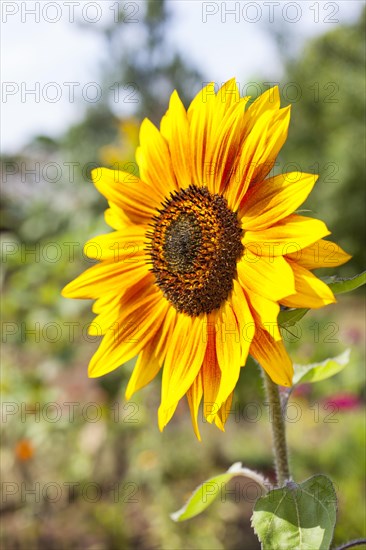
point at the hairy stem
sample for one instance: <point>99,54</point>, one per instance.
<point>278,430</point>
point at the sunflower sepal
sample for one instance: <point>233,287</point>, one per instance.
<point>341,285</point>
<point>288,317</point>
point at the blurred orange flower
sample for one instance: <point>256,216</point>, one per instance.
<point>24,450</point>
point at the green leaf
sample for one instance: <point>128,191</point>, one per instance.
<point>206,493</point>
<point>289,317</point>
<point>320,371</point>
<point>300,516</point>
<point>340,286</point>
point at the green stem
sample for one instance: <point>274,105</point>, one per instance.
<point>351,544</point>
<point>278,430</point>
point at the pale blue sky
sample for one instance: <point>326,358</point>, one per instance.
<point>223,39</point>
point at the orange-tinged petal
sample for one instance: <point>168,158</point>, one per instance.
<point>155,164</point>
<point>165,335</point>
<point>165,415</point>
<point>320,254</point>
<point>276,137</point>
<point>244,319</point>
<point>114,276</point>
<point>126,245</point>
<point>175,129</point>
<point>268,101</point>
<point>267,311</point>
<point>116,218</point>
<point>227,144</point>
<point>269,277</point>
<point>107,316</point>
<point>136,297</point>
<point>128,192</point>
<point>250,155</point>
<point>194,397</point>
<point>310,291</point>
<point>227,97</point>
<point>211,377</point>
<point>183,360</point>
<point>265,131</point>
<point>152,356</point>
<point>269,202</point>
<point>126,339</point>
<point>103,301</point>
<point>272,357</point>
<point>292,233</point>
<point>222,415</point>
<point>112,307</point>
<point>201,115</point>
<point>145,370</point>
<point>228,349</point>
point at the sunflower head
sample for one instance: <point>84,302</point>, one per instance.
<point>195,245</point>
<point>206,248</point>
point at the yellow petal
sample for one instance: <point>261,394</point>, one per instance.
<point>125,339</point>
<point>250,154</point>
<point>269,100</point>
<point>267,311</point>
<point>165,334</point>
<point>165,415</point>
<point>265,132</point>
<point>271,278</point>
<point>201,114</point>
<point>226,148</point>
<point>227,97</point>
<point>222,415</point>
<point>128,192</point>
<point>112,276</point>
<point>116,218</point>
<point>292,233</point>
<point>272,356</point>
<point>228,349</point>
<point>310,291</point>
<point>211,378</point>
<point>145,370</point>
<point>126,245</point>
<point>320,254</point>
<point>194,396</point>
<point>244,319</point>
<point>275,198</point>
<point>276,137</point>
<point>155,164</point>
<point>108,315</point>
<point>175,129</point>
<point>183,360</point>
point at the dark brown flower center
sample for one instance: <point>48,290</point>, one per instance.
<point>194,245</point>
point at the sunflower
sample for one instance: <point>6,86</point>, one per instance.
<point>205,250</point>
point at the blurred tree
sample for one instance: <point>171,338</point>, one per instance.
<point>327,134</point>
<point>141,73</point>
<point>148,62</point>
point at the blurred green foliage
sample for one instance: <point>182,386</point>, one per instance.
<point>327,132</point>
<point>44,226</point>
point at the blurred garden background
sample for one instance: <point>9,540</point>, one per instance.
<point>80,467</point>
